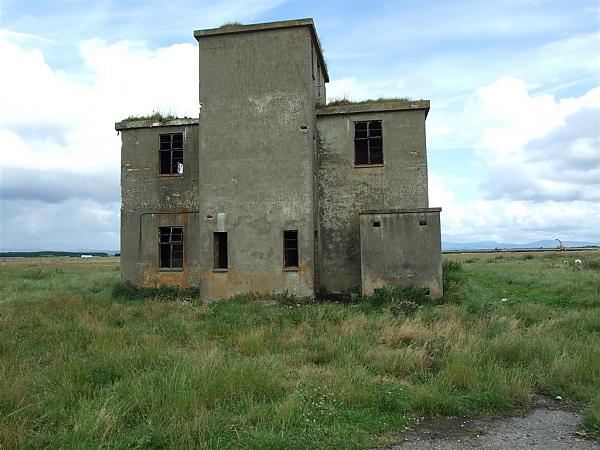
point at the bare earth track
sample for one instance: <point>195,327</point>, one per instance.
<point>550,425</point>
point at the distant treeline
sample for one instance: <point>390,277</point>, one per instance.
<point>41,254</point>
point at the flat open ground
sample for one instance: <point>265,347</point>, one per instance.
<point>83,368</point>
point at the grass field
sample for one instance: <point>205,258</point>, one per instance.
<point>81,368</point>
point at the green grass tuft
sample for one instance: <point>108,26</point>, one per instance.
<point>345,101</point>
<point>127,291</point>
<point>231,25</point>
<point>157,116</point>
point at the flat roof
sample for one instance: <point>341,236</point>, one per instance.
<point>129,124</point>
<point>266,26</point>
<point>374,107</point>
<point>400,211</point>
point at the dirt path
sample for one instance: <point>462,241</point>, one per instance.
<point>548,426</point>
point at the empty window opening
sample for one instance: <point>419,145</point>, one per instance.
<point>171,154</point>
<point>171,247</point>
<point>368,143</point>
<point>376,224</point>
<point>422,222</point>
<point>220,240</point>
<point>290,248</point>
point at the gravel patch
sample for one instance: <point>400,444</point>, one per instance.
<point>546,427</point>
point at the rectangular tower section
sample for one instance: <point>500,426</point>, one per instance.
<point>256,165</point>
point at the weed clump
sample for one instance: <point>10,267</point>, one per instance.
<point>345,101</point>
<point>127,291</point>
<point>231,25</point>
<point>156,115</point>
<point>593,264</point>
<point>400,299</point>
<point>452,279</point>
<point>37,273</point>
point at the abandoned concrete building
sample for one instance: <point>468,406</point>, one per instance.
<point>270,189</point>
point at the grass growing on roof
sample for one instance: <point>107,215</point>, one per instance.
<point>81,368</point>
<point>231,25</point>
<point>156,115</point>
<point>344,101</point>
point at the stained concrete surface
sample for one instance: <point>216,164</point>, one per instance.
<point>548,426</point>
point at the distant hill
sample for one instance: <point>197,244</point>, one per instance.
<point>491,245</point>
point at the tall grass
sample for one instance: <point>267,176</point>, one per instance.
<point>85,363</point>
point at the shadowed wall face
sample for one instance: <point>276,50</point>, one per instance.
<point>401,248</point>
<point>346,188</point>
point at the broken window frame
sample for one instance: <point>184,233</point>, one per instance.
<point>170,248</point>
<point>291,255</point>
<point>220,251</point>
<point>371,140</point>
<point>170,154</point>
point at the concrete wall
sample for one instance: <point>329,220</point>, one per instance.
<point>150,200</point>
<point>404,249</point>
<point>344,190</point>
<point>256,171</point>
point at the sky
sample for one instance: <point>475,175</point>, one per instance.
<point>512,135</point>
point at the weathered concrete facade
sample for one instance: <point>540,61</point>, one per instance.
<point>150,200</point>
<point>345,188</point>
<point>257,181</point>
<point>270,195</point>
<point>401,247</point>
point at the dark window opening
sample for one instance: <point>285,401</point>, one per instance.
<point>171,247</point>
<point>290,248</point>
<point>422,223</point>
<point>171,154</point>
<point>220,255</point>
<point>376,224</point>
<point>368,143</point>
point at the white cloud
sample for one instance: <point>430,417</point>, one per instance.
<point>51,122</point>
<point>537,147</point>
<point>543,160</point>
<point>58,140</point>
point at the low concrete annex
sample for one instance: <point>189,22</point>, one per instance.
<point>271,190</point>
